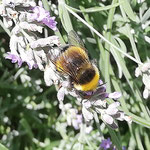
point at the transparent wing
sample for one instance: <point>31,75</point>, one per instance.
<point>73,39</point>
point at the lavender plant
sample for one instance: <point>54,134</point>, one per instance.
<point>25,45</point>
<point>28,24</point>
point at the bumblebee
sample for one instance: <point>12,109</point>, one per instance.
<point>74,62</point>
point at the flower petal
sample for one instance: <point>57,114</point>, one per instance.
<point>128,119</point>
<point>111,111</point>
<point>61,94</point>
<point>75,124</point>
<point>146,79</point>
<point>114,105</point>
<point>86,103</point>
<point>100,82</point>
<point>99,103</point>
<point>14,59</point>
<point>107,118</point>
<point>106,144</point>
<point>87,114</point>
<point>41,15</point>
<point>138,72</point>
<point>115,95</point>
<point>88,129</point>
<point>145,67</point>
<point>146,93</point>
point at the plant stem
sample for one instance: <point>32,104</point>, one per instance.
<point>102,37</point>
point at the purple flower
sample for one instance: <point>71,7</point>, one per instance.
<point>87,114</point>
<point>112,108</point>
<point>106,144</point>
<point>50,22</point>
<point>77,121</point>
<point>108,119</point>
<point>61,94</point>
<point>100,93</point>
<point>41,15</point>
<point>115,95</point>
<point>88,129</point>
<point>14,58</point>
<point>31,66</point>
<point>95,101</point>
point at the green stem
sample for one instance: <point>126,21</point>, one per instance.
<point>135,51</point>
<point>102,37</point>
<point>115,139</point>
<point>98,125</point>
<point>139,120</point>
<point>138,138</point>
<point>107,46</point>
<point>94,9</point>
<point>2,147</point>
<point>46,5</point>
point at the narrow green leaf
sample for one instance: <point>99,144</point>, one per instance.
<point>121,44</point>
<point>95,9</point>
<point>131,38</point>
<point>118,89</point>
<point>146,139</point>
<point>138,138</point>
<point>2,147</point>
<point>107,46</point>
<point>128,10</point>
<point>139,120</point>
<point>64,16</point>
<point>100,35</point>
<point>132,141</point>
<point>60,37</point>
<point>117,61</point>
<point>134,89</point>
<point>25,124</point>
<point>145,16</point>
<point>115,139</point>
<point>46,5</point>
<point>135,118</point>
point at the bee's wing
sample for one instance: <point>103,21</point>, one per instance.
<point>73,39</point>
<point>67,70</point>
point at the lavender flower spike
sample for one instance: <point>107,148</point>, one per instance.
<point>41,15</point>
<point>14,58</point>
<point>106,144</point>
